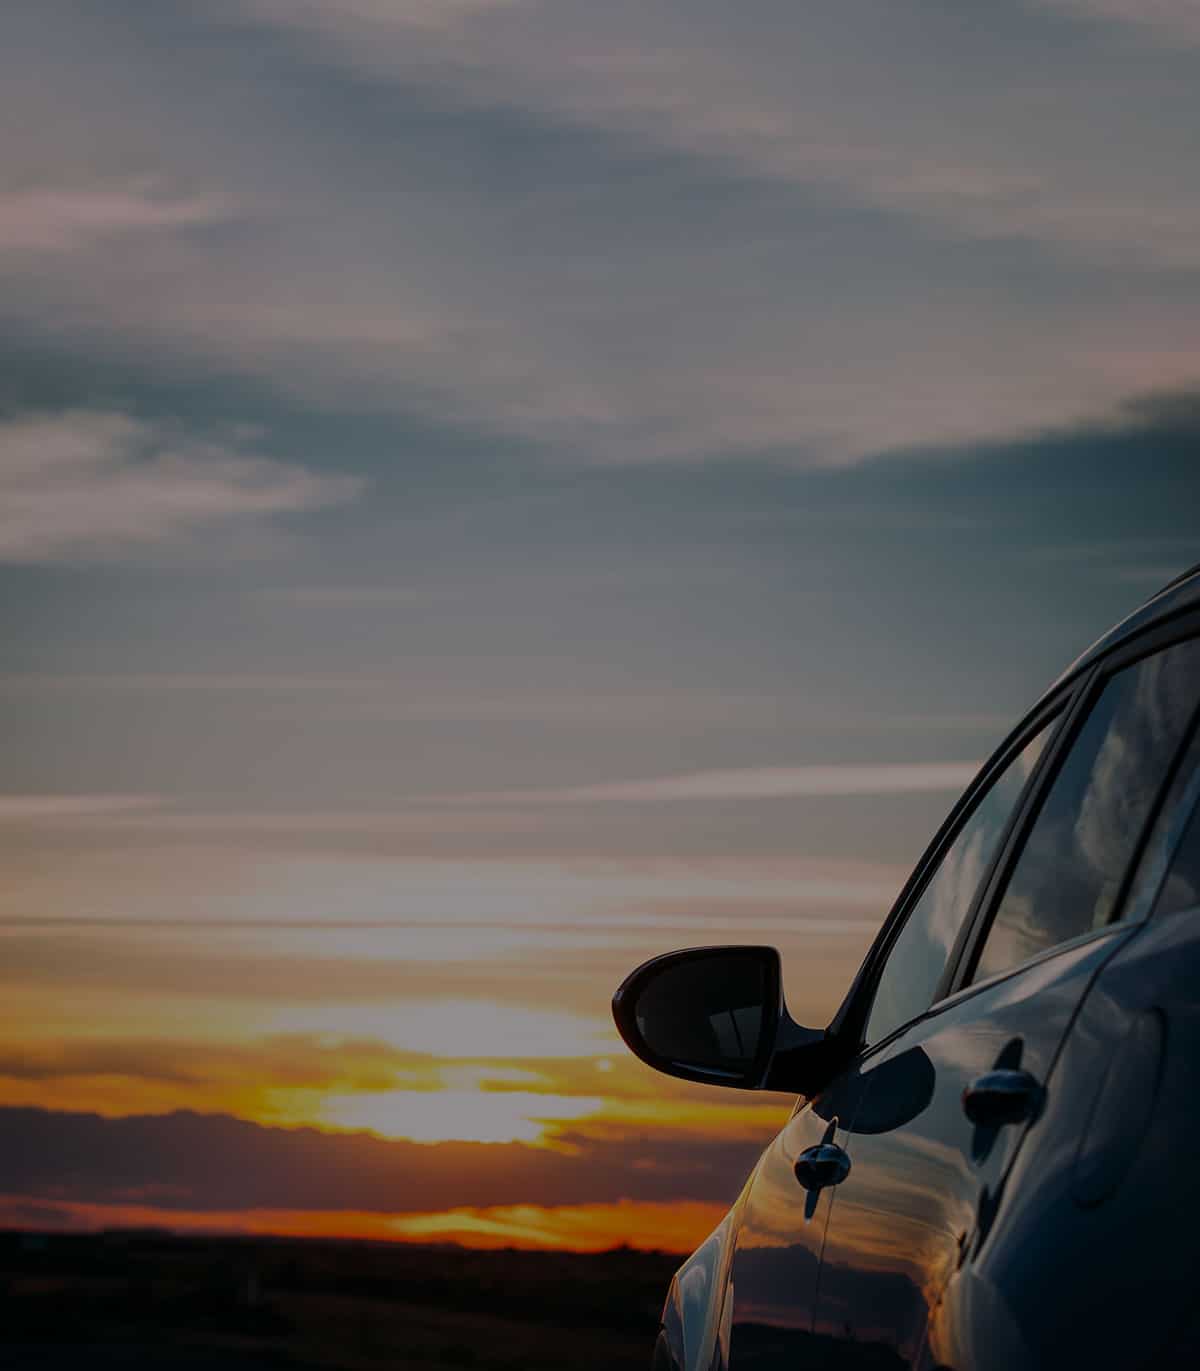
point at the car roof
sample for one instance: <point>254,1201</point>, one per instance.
<point>1175,597</point>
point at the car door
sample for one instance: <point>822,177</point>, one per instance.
<point>772,1287</point>
<point>1099,1212</point>
<point>919,1197</point>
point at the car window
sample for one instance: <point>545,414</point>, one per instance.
<point>1181,888</point>
<point>1068,876</point>
<point>1168,870</point>
<point>919,955</point>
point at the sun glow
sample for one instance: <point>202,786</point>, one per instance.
<point>454,1027</point>
<point>432,1116</point>
<point>673,1226</point>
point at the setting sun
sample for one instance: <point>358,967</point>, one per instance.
<point>469,1116</point>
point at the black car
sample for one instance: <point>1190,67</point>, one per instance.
<point>990,1161</point>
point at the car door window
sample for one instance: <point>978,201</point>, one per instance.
<point>1180,890</point>
<point>919,954</point>
<point>1068,876</point>
<point>1167,878</point>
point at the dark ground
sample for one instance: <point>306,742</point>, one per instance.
<point>123,1300</point>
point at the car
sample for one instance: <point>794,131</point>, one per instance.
<point>989,1164</point>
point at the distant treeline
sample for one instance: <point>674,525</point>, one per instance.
<point>323,1302</point>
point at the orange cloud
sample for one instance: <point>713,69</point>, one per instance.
<point>212,1163</point>
<point>647,1226</point>
<point>362,1083</point>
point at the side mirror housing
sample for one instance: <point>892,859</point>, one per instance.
<point>714,1014</point>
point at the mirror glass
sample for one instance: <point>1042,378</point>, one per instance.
<point>709,1013</point>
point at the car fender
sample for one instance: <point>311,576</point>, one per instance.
<point>972,1328</point>
<point>694,1334</point>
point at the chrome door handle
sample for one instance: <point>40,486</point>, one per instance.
<point>1000,1097</point>
<point>824,1164</point>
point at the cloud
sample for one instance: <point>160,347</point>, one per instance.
<point>448,18</point>
<point>214,1069</point>
<point>195,1162</point>
<point>347,597</point>
<point>305,1079</point>
<point>61,219</point>
<point>287,1061</point>
<point>363,972</point>
<point>42,809</point>
<point>679,1226</point>
<point>84,482</point>
<point>1167,21</point>
<point>676,1227</point>
<point>673,79</point>
<point>473,216</point>
<point>477,811</point>
<point>755,783</point>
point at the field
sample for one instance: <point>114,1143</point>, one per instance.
<point>126,1300</point>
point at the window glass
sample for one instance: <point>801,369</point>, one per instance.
<point>1068,876</point>
<point>1168,874</point>
<point>919,954</point>
<point>1181,889</point>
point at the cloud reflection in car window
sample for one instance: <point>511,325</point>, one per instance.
<point>920,952</point>
<point>1068,877</point>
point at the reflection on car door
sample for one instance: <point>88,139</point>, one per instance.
<point>1094,1217</point>
<point>920,1198</point>
<point>770,1300</point>
<point>773,1279</point>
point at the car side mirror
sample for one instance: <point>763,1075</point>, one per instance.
<point>712,1014</point>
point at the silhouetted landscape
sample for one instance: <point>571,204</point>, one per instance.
<point>135,1299</point>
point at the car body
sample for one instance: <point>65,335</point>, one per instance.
<point>989,1161</point>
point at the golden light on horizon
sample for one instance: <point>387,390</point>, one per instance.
<point>676,1226</point>
<point>453,1027</point>
<point>456,1115</point>
<point>467,1035</point>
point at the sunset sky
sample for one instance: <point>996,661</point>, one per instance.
<point>494,490</point>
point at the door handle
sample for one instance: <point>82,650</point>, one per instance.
<point>822,1165</point>
<point>1000,1097</point>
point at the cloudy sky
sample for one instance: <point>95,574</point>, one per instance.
<point>491,490</point>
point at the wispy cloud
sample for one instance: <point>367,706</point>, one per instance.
<point>1147,563</point>
<point>361,824</point>
<point>669,78</point>
<point>1169,21</point>
<point>42,809</point>
<point>796,316</point>
<point>59,219</point>
<point>754,783</point>
<point>448,17</point>
<point>476,810</point>
<point>82,482</point>
<point>397,699</point>
<point>347,597</point>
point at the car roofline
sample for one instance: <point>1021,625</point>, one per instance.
<point>1178,581</point>
<point>1178,595</point>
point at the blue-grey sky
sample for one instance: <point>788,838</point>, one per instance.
<point>610,467</point>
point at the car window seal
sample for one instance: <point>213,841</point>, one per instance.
<point>1121,656</point>
<point>1125,927</point>
<point>1049,712</point>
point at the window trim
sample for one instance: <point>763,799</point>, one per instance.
<point>1019,822</point>
<point>1090,687</point>
<point>1189,810</point>
<point>1065,697</point>
<point>1089,935</point>
<point>1050,713</point>
<point>1116,932</point>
